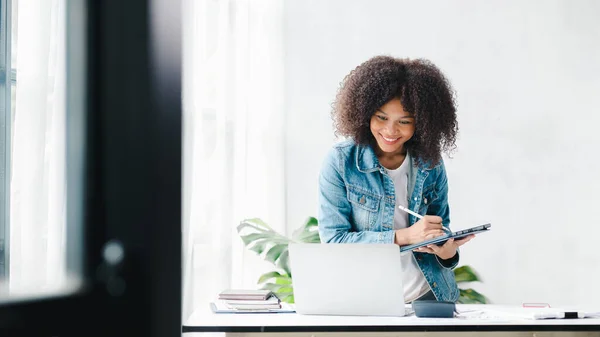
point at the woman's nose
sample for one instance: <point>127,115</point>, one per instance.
<point>390,128</point>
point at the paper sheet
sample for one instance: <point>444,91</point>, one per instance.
<point>220,307</point>
<point>523,313</point>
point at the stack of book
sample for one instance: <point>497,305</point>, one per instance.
<point>249,299</point>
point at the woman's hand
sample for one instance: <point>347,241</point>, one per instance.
<point>429,227</point>
<point>448,250</point>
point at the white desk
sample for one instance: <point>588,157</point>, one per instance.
<point>491,321</point>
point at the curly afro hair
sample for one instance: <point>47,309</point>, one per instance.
<point>423,91</point>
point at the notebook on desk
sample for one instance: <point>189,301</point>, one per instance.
<point>347,279</point>
<point>249,301</point>
<point>245,294</point>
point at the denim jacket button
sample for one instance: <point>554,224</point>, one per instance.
<point>362,199</point>
<point>425,200</point>
<point>434,285</point>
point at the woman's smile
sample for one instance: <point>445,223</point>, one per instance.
<point>390,140</point>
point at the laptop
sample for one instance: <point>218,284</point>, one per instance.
<point>347,279</point>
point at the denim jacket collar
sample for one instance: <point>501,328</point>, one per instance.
<point>366,161</point>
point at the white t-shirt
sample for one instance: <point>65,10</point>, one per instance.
<point>415,284</point>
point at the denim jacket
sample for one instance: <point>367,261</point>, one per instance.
<point>357,200</point>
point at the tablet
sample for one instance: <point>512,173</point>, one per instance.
<point>440,240</point>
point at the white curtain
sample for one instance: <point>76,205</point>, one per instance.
<point>37,186</point>
<point>233,140</point>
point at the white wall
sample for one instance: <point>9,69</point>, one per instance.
<point>527,75</point>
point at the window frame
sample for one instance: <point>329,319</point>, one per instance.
<point>132,146</point>
<point>7,79</point>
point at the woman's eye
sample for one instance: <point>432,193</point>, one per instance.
<point>382,118</point>
<point>405,122</point>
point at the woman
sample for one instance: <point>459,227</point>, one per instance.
<point>399,116</point>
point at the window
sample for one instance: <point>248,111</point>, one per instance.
<point>8,76</point>
<point>33,148</point>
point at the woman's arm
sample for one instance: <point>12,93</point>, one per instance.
<point>440,208</point>
<point>335,211</point>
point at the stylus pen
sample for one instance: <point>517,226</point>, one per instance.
<point>419,216</point>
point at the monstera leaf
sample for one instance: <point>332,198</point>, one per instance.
<point>273,247</point>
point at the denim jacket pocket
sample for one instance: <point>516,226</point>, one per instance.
<point>365,207</point>
<point>429,196</point>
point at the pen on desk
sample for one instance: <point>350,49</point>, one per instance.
<point>419,216</point>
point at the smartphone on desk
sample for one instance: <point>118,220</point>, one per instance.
<point>458,235</point>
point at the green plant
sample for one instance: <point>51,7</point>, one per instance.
<point>273,247</point>
<point>465,274</point>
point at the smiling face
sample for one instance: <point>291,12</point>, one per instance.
<point>392,127</point>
